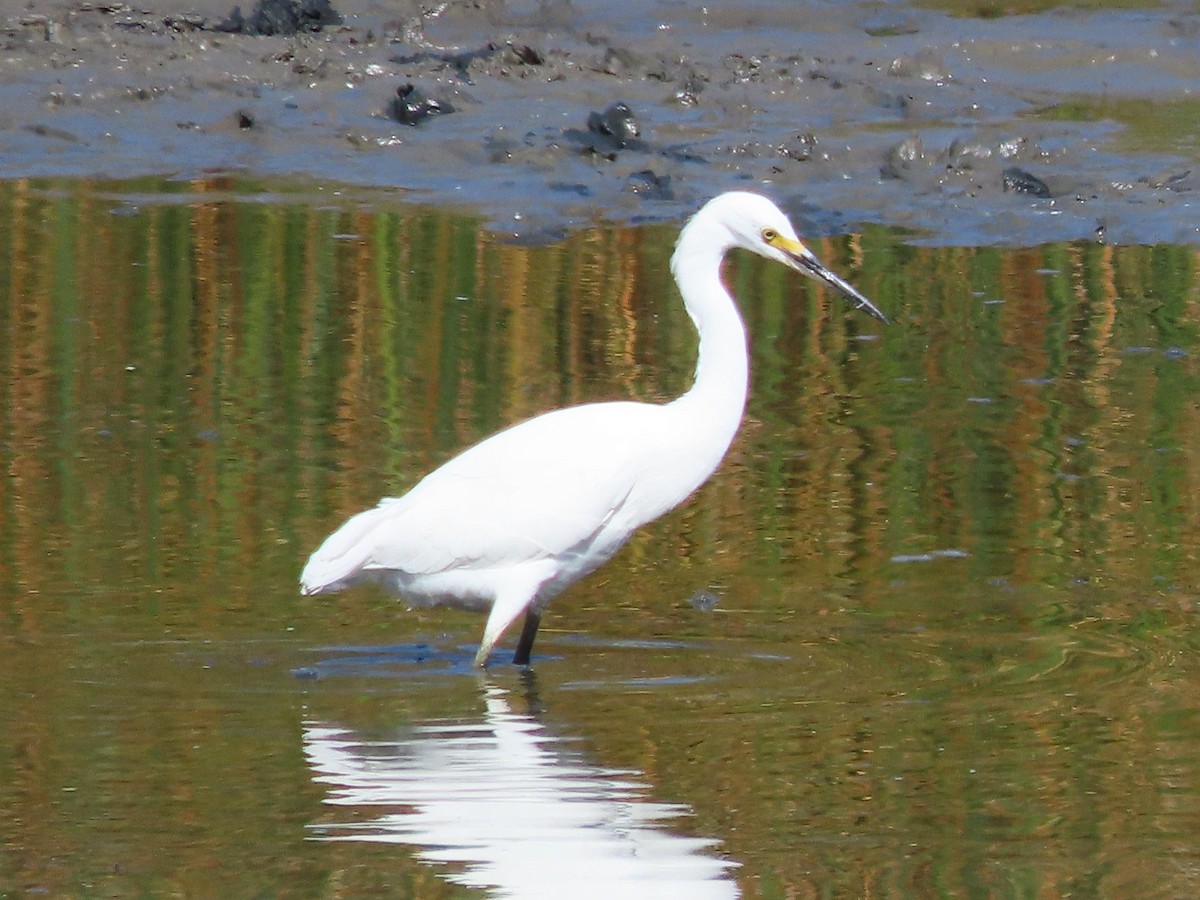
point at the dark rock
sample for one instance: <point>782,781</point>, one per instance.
<point>411,106</point>
<point>281,17</point>
<point>1021,182</point>
<point>609,132</point>
<point>617,124</point>
<point>525,55</point>
<point>649,184</point>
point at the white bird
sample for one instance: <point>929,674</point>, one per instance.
<point>509,523</point>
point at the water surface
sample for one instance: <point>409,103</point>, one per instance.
<point>954,564</point>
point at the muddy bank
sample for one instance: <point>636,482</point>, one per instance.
<point>1015,130</point>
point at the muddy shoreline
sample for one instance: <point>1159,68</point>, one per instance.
<point>1015,130</point>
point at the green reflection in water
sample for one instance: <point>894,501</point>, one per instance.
<point>1167,127</point>
<point>954,648</point>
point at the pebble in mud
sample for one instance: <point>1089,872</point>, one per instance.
<point>925,65</point>
<point>687,93</point>
<point>616,127</point>
<point>901,159</point>
<point>609,132</point>
<point>801,147</point>
<point>411,106</point>
<point>619,61</point>
<point>1021,182</point>
<point>281,17</point>
<point>524,55</point>
<point>650,185</point>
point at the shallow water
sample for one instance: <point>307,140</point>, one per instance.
<point>954,565</point>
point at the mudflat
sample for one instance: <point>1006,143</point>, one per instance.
<point>1017,129</point>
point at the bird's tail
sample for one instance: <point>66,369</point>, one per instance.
<point>339,561</point>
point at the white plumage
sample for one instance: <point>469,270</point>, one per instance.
<point>510,522</point>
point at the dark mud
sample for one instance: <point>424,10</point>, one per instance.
<point>1014,130</point>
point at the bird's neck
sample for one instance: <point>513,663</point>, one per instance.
<point>718,395</point>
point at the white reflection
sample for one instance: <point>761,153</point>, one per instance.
<point>513,809</point>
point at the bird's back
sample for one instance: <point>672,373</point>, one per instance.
<point>562,491</point>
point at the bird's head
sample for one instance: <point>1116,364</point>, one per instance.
<point>751,221</point>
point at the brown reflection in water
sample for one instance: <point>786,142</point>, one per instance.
<point>335,354</point>
<point>198,385</point>
<point>27,380</point>
<point>207,334</point>
<point>231,352</point>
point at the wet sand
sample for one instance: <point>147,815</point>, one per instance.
<point>1016,130</point>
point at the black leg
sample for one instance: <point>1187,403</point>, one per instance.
<point>532,620</point>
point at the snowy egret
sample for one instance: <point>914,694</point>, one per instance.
<point>511,522</point>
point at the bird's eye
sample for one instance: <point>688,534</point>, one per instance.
<point>769,235</point>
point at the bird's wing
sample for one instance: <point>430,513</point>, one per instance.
<point>538,490</point>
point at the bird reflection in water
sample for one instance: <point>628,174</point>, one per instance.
<point>503,805</point>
